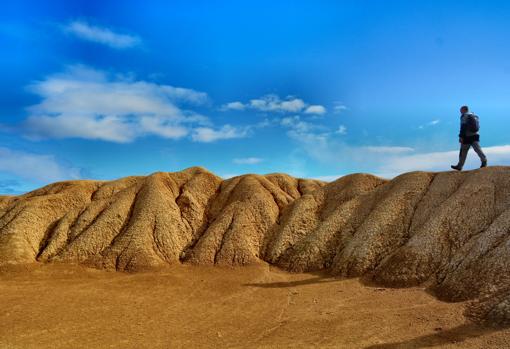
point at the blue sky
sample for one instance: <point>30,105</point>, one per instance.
<point>319,89</point>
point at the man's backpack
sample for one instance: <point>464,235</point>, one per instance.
<point>473,123</point>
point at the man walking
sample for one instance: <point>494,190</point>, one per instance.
<point>469,137</point>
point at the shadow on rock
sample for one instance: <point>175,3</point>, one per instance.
<point>284,284</point>
<point>454,335</point>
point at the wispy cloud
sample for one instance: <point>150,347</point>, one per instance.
<point>342,130</point>
<point>315,109</point>
<point>101,35</point>
<point>38,167</point>
<point>273,103</point>
<point>429,124</point>
<point>388,150</point>
<point>383,160</point>
<point>329,178</point>
<point>305,132</point>
<point>86,103</point>
<point>207,134</point>
<point>339,107</point>
<point>233,106</point>
<point>247,161</point>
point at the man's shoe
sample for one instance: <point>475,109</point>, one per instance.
<point>457,168</point>
<point>484,164</point>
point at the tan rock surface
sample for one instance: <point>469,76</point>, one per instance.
<point>449,231</point>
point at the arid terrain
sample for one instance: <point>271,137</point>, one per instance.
<point>65,306</point>
<point>190,259</point>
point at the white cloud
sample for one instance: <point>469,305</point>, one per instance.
<point>329,178</point>
<point>39,167</point>
<point>289,120</point>
<point>303,131</point>
<point>184,94</point>
<point>107,128</point>
<point>207,134</point>
<point>101,35</point>
<point>388,150</point>
<point>342,130</point>
<point>233,106</point>
<point>429,124</point>
<point>322,145</point>
<point>315,109</point>
<point>339,107</point>
<point>162,128</point>
<point>247,161</point>
<point>91,104</point>
<point>273,103</point>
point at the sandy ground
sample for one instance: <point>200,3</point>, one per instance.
<point>60,306</point>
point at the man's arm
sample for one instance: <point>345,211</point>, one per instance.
<point>463,126</point>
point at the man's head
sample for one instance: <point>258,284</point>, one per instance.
<point>464,109</point>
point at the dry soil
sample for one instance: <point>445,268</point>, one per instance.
<point>183,306</point>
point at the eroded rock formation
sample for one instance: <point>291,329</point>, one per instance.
<point>450,231</point>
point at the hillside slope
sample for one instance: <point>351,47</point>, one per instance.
<point>448,230</point>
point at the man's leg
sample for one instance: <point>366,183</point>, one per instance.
<point>464,148</point>
<point>479,151</point>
